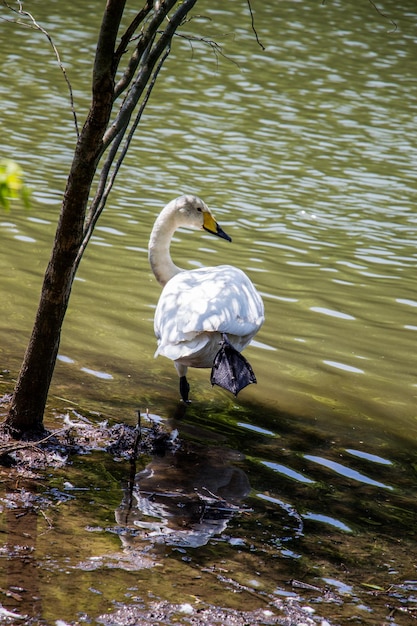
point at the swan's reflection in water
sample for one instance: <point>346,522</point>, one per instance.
<point>183,497</point>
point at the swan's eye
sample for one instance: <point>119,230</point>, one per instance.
<point>199,209</point>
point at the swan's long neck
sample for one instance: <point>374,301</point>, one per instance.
<point>159,257</point>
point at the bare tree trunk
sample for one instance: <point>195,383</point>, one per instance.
<point>29,399</point>
<point>75,225</point>
<point>30,394</point>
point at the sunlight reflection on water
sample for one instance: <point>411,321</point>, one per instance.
<point>345,471</point>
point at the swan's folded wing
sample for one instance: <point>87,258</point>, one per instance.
<point>209,299</point>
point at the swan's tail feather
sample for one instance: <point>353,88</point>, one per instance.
<point>230,369</point>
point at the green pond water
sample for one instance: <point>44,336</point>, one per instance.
<point>307,154</point>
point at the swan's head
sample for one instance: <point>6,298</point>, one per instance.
<point>185,211</point>
<point>192,212</point>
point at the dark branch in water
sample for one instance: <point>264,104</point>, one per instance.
<point>138,437</point>
<point>381,13</point>
<point>253,25</point>
<point>384,15</point>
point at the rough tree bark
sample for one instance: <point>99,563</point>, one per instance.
<point>100,140</point>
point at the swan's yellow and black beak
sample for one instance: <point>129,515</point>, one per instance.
<point>211,226</point>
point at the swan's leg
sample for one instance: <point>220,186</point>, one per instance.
<point>184,386</point>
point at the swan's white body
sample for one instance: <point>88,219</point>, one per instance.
<point>197,306</point>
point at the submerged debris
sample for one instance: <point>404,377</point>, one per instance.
<point>81,436</point>
<point>289,614</point>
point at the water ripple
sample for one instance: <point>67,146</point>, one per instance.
<point>347,472</point>
<point>367,456</point>
<point>344,367</point>
<point>286,471</point>
<point>331,312</point>
<point>326,519</point>
<point>97,374</point>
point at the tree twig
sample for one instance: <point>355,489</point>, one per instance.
<point>216,47</point>
<point>22,445</point>
<point>253,25</point>
<point>153,59</point>
<point>36,26</point>
<point>384,15</point>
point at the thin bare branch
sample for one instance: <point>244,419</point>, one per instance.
<point>384,15</point>
<point>149,54</point>
<point>381,13</point>
<point>13,446</point>
<point>105,187</point>
<point>151,64</point>
<point>214,45</point>
<point>145,37</point>
<point>36,26</point>
<point>253,25</point>
<point>130,31</point>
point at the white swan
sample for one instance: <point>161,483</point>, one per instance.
<point>205,316</point>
